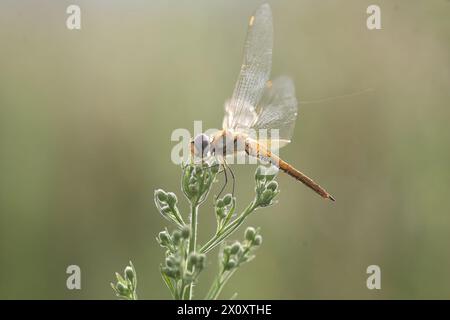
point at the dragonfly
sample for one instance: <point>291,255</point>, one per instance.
<point>257,104</point>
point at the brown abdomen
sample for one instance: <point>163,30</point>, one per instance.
<point>261,152</point>
<point>290,170</point>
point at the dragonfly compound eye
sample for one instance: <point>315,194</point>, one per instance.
<point>201,144</point>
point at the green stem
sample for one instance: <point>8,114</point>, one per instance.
<point>183,290</point>
<point>180,289</point>
<point>169,285</point>
<point>221,281</point>
<point>192,242</point>
<point>215,290</point>
<point>229,229</point>
<point>214,286</point>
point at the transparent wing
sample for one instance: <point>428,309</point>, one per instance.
<point>240,113</point>
<point>278,109</point>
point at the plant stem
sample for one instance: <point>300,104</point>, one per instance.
<point>192,241</point>
<point>229,229</point>
<point>214,292</point>
<point>222,284</point>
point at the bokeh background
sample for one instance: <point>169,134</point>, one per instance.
<point>86,118</point>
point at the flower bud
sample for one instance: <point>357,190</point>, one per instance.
<point>176,236</point>
<point>227,200</point>
<point>230,265</point>
<point>193,258</point>
<point>170,272</point>
<point>272,185</point>
<point>164,238</point>
<point>267,195</point>
<point>169,262</point>
<point>220,203</point>
<point>161,195</point>
<point>258,240</point>
<point>250,233</point>
<point>129,273</point>
<point>235,248</point>
<point>122,289</point>
<point>171,199</point>
<point>172,261</point>
<point>185,232</point>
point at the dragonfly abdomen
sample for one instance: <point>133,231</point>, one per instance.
<point>290,170</point>
<point>256,150</point>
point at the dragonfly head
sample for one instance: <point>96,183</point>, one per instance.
<point>201,145</point>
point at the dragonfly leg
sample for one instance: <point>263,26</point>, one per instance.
<point>226,181</point>
<point>232,176</point>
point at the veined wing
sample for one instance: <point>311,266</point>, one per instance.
<point>277,110</point>
<point>240,110</point>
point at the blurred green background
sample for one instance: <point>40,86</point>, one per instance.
<point>86,118</point>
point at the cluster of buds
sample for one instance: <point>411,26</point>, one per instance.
<point>125,287</point>
<point>166,202</point>
<point>266,187</point>
<point>224,208</point>
<point>173,266</point>
<point>197,180</point>
<point>174,242</point>
<point>183,263</point>
<point>252,237</point>
<point>176,261</point>
<point>196,263</point>
<point>240,252</point>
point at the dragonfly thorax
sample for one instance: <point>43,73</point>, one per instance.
<point>226,142</point>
